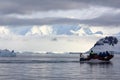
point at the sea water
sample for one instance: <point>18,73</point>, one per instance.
<point>57,67</point>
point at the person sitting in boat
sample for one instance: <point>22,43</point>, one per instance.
<point>100,54</point>
<point>12,51</point>
<point>104,54</point>
<point>107,53</point>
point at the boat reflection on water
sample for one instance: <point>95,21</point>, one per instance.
<point>98,64</point>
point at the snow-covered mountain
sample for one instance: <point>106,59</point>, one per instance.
<point>85,31</point>
<point>109,43</point>
<point>46,30</point>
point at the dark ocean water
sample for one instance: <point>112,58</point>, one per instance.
<point>57,67</point>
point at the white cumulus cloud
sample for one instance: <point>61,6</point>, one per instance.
<point>40,30</point>
<point>5,33</point>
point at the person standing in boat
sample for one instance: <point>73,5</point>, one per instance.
<point>81,57</point>
<point>92,54</point>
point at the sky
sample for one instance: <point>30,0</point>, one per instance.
<point>22,20</point>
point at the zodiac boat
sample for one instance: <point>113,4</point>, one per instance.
<point>97,58</point>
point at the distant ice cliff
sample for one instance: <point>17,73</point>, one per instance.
<point>7,53</point>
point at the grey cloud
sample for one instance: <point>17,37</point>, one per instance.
<point>104,20</point>
<point>23,22</point>
<point>28,6</point>
<point>104,3</point>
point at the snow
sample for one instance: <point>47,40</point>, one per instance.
<point>106,47</point>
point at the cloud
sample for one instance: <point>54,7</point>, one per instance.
<point>30,42</point>
<point>43,12</point>
<point>59,29</point>
<point>44,30</point>
<point>104,21</point>
<point>4,31</point>
<point>18,17</point>
<point>28,22</point>
<point>47,45</point>
<point>104,3</point>
<point>88,13</point>
<point>37,43</point>
<point>108,20</point>
<point>107,31</point>
<point>29,6</point>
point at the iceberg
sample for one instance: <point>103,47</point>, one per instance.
<point>7,53</point>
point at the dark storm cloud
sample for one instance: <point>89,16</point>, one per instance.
<point>104,3</point>
<point>28,6</point>
<point>23,22</point>
<point>104,20</point>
